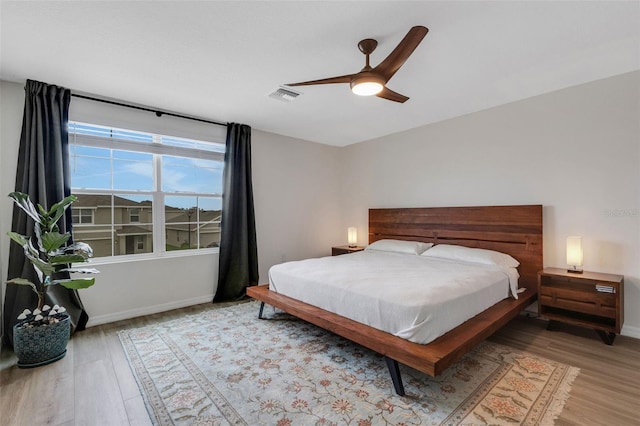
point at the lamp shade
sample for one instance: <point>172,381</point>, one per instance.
<point>574,254</point>
<point>352,236</point>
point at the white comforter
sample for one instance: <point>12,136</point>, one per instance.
<point>412,297</point>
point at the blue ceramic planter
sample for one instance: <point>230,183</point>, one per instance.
<point>41,345</point>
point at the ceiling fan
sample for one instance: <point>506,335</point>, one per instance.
<point>371,81</point>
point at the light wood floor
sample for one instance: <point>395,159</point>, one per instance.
<point>93,384</point>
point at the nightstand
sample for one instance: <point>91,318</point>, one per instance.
<point>590,299</point>
<point>338,250</point>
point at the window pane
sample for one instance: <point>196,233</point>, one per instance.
<point>101,168</point>
<point>181,174</point>
<point>209,221</point>
<point>192,222</point>
<point>132,170</point>
<point>210,203</point>
<point>134,239</point>
<point>181,219</point>
<point>90,167</point>
<point>99,237</point>
<point>93,229</point>
<point>111,233</point>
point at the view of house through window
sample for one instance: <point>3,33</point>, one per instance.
<point>144,193</point>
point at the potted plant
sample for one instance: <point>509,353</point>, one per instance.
<point>42,334</point>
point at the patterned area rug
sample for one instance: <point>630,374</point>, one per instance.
<point>226,367</point>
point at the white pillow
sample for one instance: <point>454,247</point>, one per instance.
<point>472,255</point>
<point>399,246</point>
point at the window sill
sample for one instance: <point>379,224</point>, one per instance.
<point>127,258</point>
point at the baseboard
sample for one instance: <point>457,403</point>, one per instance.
<point>147,310</point>
<point>631,331</point>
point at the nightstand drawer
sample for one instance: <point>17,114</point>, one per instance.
<point>604,306</point>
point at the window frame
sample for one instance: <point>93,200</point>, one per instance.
<point>157,196</point>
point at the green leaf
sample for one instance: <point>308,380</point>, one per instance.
<point>64,259</point>
<point>40,265</point>
<point>23,201</point>
<point>75,284</point>
<point>20,239</point>
<point>22,281</point>
<point>52,240</point>
<point>57,210</point>
<point>38,231</point>
<point>41,210</point>
<point>31,249</point>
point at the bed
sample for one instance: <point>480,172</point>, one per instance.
<point>514,230</point>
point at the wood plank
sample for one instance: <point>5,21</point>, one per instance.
<point>515,230</point>
<point>137,412</point>
<point>93,369</point>
<point>126,381</point>
<point>15,394</point>
<point>94,407</point>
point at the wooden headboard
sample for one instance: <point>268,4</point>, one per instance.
<point>515,230</point>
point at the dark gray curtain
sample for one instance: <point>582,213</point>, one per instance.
<point>43,173</point>
<point>238,267</point>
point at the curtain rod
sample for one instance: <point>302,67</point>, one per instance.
<point>156,112</point>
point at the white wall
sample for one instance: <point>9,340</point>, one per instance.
<point>296,197</point>
<point>11,107</point>
<point>576,151</point>
<point>297,216</point>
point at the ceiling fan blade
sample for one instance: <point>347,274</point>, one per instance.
<point>401,53</point>
<point>330,80</point>
<point>392,96</point>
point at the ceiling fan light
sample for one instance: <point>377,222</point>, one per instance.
<point>367,85</point>
<point>367,88</point>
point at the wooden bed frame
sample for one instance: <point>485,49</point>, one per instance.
<point>515,230</point>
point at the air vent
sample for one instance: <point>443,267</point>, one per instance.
<point>284,95</point>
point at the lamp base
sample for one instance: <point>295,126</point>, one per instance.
<point>575,271</point>
<point>353,245</point>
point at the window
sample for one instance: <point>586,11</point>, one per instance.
<point>144,193</point>
<point>82,215</point>
<point>134,215</point>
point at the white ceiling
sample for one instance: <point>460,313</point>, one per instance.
<point>220,60</point>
